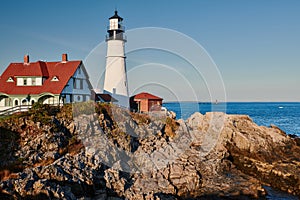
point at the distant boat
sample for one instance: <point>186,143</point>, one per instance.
<point>280,107</point>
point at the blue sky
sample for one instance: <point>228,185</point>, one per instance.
<point>255,44</point>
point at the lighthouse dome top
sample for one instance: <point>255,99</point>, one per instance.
<point>116,16</point>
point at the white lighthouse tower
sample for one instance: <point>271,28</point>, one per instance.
<point>115,82</point>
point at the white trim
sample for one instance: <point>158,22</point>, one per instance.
<point>45,94</point>
<point>10,79</point>
<point>54,78</point>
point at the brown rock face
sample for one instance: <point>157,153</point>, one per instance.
<point>265,153</point>
<point>214,156</point>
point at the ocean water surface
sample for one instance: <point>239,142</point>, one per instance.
<point>285,115</point>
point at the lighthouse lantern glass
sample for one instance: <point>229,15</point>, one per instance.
<point>113,24</point>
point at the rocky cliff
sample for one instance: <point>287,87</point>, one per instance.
<point>101,152</point>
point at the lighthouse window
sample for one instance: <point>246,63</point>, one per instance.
<point>24,81</point>
<point>114,24</point>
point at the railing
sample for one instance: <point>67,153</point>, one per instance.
<point>116,27</point>
<point>21,108</point>
<point>12,110</point>
<point>119,36</point>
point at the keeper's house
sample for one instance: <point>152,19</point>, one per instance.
<point>44,82</point>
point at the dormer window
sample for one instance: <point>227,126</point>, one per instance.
<point>33,81</point>
<point>55,78</point>
<point>10,79</point>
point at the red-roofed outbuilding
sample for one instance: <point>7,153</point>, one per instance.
<point>45,82</point>
<point>145,102</point>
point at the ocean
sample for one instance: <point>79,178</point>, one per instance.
<point>285,115</point>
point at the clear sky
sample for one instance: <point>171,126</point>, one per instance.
<point>255,44</point>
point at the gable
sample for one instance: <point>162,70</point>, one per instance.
<point>81,73</point>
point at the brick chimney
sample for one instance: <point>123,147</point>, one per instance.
<point>26,59</point>
<point>64,57</point>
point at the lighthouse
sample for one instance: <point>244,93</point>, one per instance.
<point>115,81</point>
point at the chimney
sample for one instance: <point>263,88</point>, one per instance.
<point>64,57</point>
<point>26,59</point>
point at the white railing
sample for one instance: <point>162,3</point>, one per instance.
<point>12,110</point>
<point>116,27</point>
<point>119,36</point>
<point>21,108</point>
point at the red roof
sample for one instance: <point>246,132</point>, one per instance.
<point>145,95</point>
<point>107,98</point>
<point>102,96</point>
<point>63,70</point>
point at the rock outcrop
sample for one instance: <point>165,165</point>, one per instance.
<point>116,154</point>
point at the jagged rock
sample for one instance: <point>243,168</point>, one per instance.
<point>171,114</point>
<point>208,155</point>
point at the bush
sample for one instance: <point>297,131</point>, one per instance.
<point>86,108</point>
<point>170,127</point>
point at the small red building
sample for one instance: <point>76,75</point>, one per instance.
<point>145,102</point>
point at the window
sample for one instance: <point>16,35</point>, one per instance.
<point>24,101</point>
<point>24,81</point>
<point>33,82</point>
<point>54,78</point>
<point>79,70</point>
<point>10,79</point>
<point>81,84</point>
<point>16,102</point>
<point>74,83</point>
<point>7,102</point>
